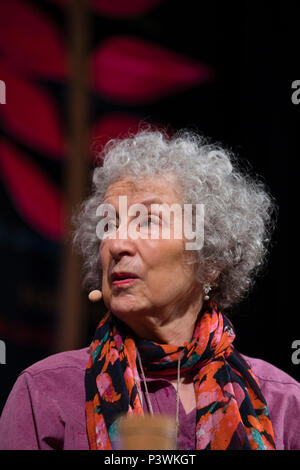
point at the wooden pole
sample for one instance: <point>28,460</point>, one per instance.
<point>71,318</point>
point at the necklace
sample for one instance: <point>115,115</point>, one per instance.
<point>148,396</point>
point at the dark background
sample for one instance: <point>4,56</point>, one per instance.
<point>246,106</point>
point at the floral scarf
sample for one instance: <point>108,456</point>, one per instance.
<point>231,410</point>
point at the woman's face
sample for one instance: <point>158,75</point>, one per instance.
<point>163,284</point>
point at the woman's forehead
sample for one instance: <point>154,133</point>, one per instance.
<point>161,188</point>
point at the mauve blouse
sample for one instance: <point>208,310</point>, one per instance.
<point>46,407</point>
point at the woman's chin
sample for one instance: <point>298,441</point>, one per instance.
<point>124,307</point>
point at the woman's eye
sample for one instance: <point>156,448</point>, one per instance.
<point>110,226</point>
<point>148,222</point>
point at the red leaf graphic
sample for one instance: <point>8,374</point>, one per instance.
<point>30,41</point>
<point>31,115</point>
<point>36,199</point>
<point>134,71</point>
<point>112,126</point>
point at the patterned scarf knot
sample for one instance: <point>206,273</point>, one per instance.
<point>231,410</point>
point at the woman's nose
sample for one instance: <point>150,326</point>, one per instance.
<point>119,247</point>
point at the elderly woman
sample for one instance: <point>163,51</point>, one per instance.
<point>173,233</point>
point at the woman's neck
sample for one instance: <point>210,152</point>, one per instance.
<point>173,328</point>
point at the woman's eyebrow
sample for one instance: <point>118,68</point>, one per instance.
<point>146,202</point>
<point>152,200</point>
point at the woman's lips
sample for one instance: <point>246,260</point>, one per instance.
<point>120,282</point>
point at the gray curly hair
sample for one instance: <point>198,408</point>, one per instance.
<point>239,211</point>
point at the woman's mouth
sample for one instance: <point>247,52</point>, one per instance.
<point>123,278</point>
<point>123,281</point>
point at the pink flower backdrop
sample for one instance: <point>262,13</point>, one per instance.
<point>125,70</point>
<point>150,60</point>
<point>131,73</point>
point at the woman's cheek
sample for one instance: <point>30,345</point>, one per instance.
<point>106,294</point>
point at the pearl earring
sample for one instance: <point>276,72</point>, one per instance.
<point>206,289</point>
